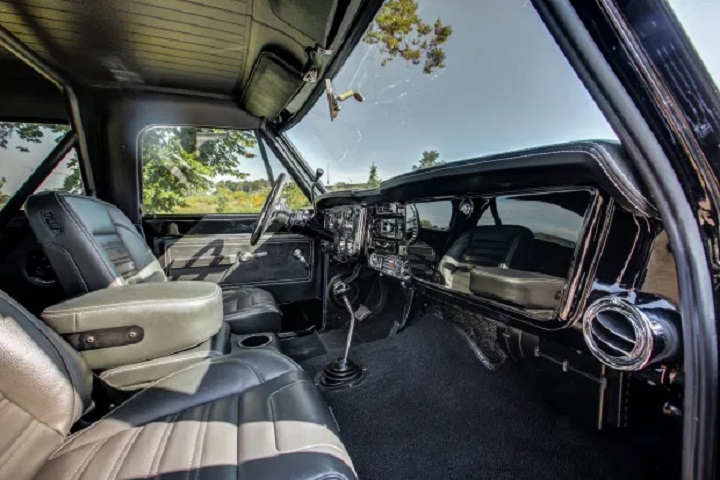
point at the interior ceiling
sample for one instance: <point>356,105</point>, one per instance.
<point>201,45</point>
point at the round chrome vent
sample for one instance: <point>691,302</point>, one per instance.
<point>627,337</point>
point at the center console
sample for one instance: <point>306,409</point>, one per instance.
<point>381,233</point>
<point>388,232</point>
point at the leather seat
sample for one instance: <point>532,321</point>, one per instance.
<point>250,310</point>
<point>254,414</point>
<point>92,245</point>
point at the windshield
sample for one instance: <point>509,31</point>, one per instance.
<point>444,81</point>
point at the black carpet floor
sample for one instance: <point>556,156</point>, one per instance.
<point>429,410</point>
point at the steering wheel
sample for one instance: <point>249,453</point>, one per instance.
<point>266,214</point>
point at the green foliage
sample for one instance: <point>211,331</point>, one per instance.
<point>429,159</point>
<point>3,198</point>
<point>174,168</point>
<point>373,178</point>
<point>73,183</point>
<point>245,185</point>
<point>401,33</point>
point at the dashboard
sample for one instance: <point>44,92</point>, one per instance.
<point>559,241</point>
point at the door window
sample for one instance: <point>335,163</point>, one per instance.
<point>190,170</point>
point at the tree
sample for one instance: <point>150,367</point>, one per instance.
<point>429,159</point>
<point>73,183</point>
<point>174,167</point>
<point>373,179</point>
<point>3,197</point>
<point>401,33</point>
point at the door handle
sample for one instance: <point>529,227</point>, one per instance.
<point>298,255</point>
<point>245,257</point>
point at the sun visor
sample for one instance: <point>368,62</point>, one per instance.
<point>273,83</point>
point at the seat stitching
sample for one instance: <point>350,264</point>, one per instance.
<point>86,460</point>
<point>72,261</point>
<point>163,441</point>
<point>197,439</point>
<point>158,361</point>
<point>117,464</point>
<point>96,252</point>
<point>272,411</point>
<point>143,303</point>
<point>75,393</point>
<point>31,415</point>
<point>201,438</point>
<point>133,399</point>
<point>20,441</point>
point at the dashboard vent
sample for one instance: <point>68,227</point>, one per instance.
<point>627,337</point>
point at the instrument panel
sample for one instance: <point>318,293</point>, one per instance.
<point>347,224</point>
<point>381,233</point>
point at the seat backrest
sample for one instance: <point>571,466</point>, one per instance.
<point>44,389</point>
<point>91,244</point>
<point>508,246</point>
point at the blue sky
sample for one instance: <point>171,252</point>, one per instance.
<point>506,86</point>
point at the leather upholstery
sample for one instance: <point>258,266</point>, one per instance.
<point>509,246</point>
<point>251,310</point>
<point>92,245</point>
<point>174,316</point>
<point>527,289</point>
<point>140,375</point>
<point>253,414</point>
<point>44,389</point>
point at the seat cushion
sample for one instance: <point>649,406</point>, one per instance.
<point>254,414</point>
<point>250,310</point>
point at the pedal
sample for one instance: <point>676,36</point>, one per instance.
<point>362,313</point>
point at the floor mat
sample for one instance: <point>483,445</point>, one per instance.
<point>429,410</point>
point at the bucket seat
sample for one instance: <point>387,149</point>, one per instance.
<point>254,414</point>
<point>93,245</point>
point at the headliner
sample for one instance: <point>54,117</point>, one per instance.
<point>204,46</point>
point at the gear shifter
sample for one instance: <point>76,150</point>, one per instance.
<point>343,372</point>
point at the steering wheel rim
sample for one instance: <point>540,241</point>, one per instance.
<point>266,214</point>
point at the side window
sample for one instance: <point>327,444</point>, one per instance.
<point>23,147</point>
<point>191,170</point>
<point>435,215</point>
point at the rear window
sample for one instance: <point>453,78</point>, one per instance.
<point>23,147</point>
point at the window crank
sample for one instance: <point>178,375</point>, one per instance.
<point>298,255</point>
<point>247,256</point>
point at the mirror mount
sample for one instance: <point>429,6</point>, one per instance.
<point>335,100</point>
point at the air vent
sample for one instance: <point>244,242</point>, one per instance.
<point>625,336</point>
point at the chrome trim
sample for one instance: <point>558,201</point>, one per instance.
<point>651,342</point>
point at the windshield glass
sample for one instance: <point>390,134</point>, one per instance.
<point>444,81</point>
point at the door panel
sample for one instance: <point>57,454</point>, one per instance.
<point>217,249</point>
